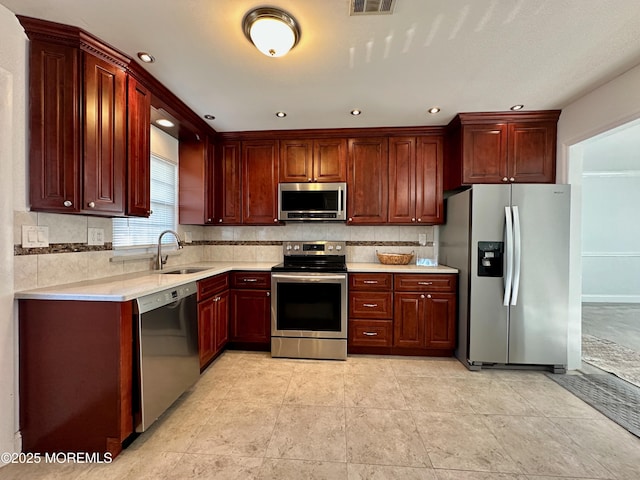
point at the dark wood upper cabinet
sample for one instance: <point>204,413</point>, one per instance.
<point>367,180</point>
<point>196,196</point>
<point>138,149</point>
<point>415,179</point>
<point>320,160</point>
<point>260,182</point>
<point>228,178</point>
<point>54,96</point>
<point>514,147</point>
<point>105,149</point>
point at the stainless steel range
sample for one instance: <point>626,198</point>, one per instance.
<point>309,301</point>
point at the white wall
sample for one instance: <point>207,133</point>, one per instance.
<point>610,216</point>
<point>12,154</point>
<point>607,107</point>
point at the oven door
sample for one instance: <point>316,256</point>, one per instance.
<point>311,305</point>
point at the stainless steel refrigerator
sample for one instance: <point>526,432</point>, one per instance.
<point>511,245</point>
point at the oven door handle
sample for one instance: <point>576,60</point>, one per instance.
<point>308,278</point>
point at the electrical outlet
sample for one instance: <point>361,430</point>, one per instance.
<point>422,239</point>
<point>188,238</point>
<point>95,236</point>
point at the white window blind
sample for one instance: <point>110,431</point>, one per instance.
<point>144,232</point>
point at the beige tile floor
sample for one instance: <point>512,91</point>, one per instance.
<point>254,417</point>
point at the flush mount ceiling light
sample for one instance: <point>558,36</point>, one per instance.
<point>146,57</point>
<point>274,32</point>
<point>517,107</point>
<point>355,112</point>
<point>281,114</point>
<point>434,110</point>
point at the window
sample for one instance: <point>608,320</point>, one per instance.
<point>144,232</point>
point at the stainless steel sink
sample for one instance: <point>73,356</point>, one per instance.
<point>184,270</point>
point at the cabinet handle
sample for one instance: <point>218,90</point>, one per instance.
<point>512,179</point>
<point>68,203</point>
<point>249,279</point>
<point>217,299</point>
<point>149,212</point>
<point>370,334</point>
<point>370,305</point>
<point>275,220</point>
<point>309,180</point>
<point>220,220</point>
<point>429,296</point>
<point>419,220</point>
<point>268,294</point>
<point>91,204</point>
<point>374,282</point>
<point>421,296</point>
<point>413,219</point>
<point>209,220</point>
<point>350,219</point>
<point>425,283</point>
<point>504,179</point>
<point>315,179</point>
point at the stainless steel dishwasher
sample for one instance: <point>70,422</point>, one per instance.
<point>167,342</point>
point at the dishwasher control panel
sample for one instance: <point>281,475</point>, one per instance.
<point>165,297</point>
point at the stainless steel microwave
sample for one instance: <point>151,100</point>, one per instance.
<point>312,201</point>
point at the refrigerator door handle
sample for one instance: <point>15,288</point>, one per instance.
<point>517,250</point>
<point>509,254</point>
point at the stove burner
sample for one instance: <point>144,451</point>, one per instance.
<point>318,256</point>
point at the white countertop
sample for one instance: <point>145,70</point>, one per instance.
<point>123,288</point>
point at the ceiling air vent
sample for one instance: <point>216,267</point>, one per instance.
<point>372,7</point>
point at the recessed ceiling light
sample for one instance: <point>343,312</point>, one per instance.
<point>356,112</point>
<point>434,110</point>
<point>146,57</point>
<point>281,114</point>
<point>209,117</point>
<point>163,122</point>
<point>517,107</point>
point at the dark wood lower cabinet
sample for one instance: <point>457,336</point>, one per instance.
<point>213,326</point>
<point>402,314</point>
<point>76,375</point>
<point>250,325</point>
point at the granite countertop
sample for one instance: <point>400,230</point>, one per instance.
<point>123,288</point>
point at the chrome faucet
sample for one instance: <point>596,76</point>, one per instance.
<point>159,260</point>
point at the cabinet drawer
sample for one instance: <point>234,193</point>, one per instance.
<point>371,305</point>
<point>371,333</point>
<point>260,280</point>
<point>417,282</point>
<point>371,281</point>
<point>212,285</point>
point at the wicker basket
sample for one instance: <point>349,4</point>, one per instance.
<point>394,258</point>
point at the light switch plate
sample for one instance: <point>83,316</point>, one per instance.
<point>95,236</point>
<point>34,236</point>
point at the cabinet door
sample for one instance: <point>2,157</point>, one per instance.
<point>402,180</point>
<point>195,185</point>
<point>104,110</point>
<point>251,316</point>
<point>330,160</point>
<point>484,153</point>
<point>440,318</point>
<point>228,182</point>
<point>531,152</point>
<point>296,161</point>
<point>408,320</point>
<point>260,182</point>
<point>368,181</point>
<point>206,330</point>
<point>429,168</point>
<point>54,168</point>
<point>138,149</point>
<point>222,321</point>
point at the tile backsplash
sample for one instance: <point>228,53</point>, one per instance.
<point>68,233</point>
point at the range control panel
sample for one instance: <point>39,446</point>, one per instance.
<point>314,248</point>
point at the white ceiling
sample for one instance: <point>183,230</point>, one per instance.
<point>460,55</point>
